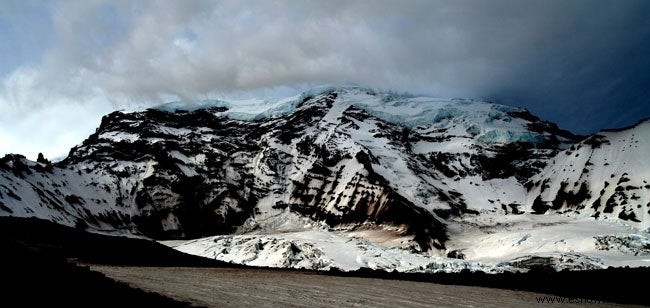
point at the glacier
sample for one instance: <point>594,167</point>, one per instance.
<point>487,121</point>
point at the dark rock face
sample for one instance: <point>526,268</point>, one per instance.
<point>456,254</point>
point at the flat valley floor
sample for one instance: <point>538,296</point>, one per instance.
<point>241,287</point>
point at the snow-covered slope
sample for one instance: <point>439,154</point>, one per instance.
<point>322,250</point>
<point>488,242</point>
<point>391,174</point>
<point>73,195</point>
<point>605,176</point>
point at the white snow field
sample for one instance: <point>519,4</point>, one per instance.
<point>490,243</point>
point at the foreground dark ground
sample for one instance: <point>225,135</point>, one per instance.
<point>36,270</point>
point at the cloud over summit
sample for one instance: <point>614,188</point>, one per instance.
<point>583,64</point>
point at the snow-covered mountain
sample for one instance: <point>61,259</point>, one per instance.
<point>292,182</point>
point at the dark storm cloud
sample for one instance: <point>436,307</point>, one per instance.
<point>583,64</point>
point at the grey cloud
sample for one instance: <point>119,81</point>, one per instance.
<point>583,64</point>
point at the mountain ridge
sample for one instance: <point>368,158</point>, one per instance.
<point>386,168</point>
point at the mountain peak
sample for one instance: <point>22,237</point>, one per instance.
<point>488,122</point>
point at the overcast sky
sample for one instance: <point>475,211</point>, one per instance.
<point>582,64</point>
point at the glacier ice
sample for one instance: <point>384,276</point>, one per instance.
<point>477,118</point>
